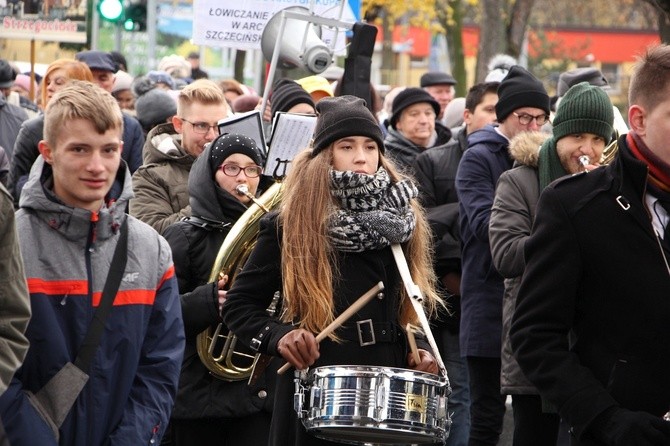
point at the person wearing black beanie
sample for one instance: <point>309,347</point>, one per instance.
<point>523,105</point>
<point>288,96</point>
<point>343,210</point>
<point>208,410</point>
<point>344,116</point>
<point>413,127</point>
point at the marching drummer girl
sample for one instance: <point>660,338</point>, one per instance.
<point>345,204</point>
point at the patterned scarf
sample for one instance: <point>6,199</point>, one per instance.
<point>373,212</point>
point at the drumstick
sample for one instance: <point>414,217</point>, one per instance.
<point>339,320</point>
<point>412,343</point>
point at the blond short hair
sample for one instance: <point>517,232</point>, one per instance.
<point>203,91</point>
<point>81,100</point>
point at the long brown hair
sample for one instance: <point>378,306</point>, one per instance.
<point>308,257</point>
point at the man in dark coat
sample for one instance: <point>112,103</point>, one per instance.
<point>591,323</point>
<point>413,127</point>
<point>435,171</point>
<point>523,105</point>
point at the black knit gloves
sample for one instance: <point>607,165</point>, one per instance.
<point>622,427</point>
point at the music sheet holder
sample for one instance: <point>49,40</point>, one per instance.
<point>291,134</point>
<point>248,124</point>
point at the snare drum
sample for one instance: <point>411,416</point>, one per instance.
<point>373,405</point>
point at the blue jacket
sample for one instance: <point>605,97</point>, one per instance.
<point>481,285</point>
<point>134,372</point>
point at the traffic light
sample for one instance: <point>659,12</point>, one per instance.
<point>135,17</point>
<point>111,10</point>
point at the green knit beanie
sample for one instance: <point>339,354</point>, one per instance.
<point>585,108</point>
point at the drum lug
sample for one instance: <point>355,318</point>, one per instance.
<point>380,399</point>
<point>299,396</point>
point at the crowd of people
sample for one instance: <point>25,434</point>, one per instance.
<point>537,235</point>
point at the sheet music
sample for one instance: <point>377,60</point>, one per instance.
<point>291,134</point>
<point>248,124</point>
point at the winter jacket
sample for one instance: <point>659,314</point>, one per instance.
<point>14,298</point>
<point>134,371</point>
<point>32,132</point>
<point>435,173</point>
<point>511,220</point>
<point>195,244</point>
<point>481,285</point>
<point>591,324</point>
<point>244,312</point>
<point>161,184</point>
<point>403,151</point>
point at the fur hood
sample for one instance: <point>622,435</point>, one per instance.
<point>524,148</point>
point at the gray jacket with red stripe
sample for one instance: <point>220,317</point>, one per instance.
<point>133,377</point>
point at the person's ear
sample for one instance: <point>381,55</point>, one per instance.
<point>45,151</point>
<point>637,119</point>
<point>178,124</point>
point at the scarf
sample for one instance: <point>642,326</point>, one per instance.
<point>373,212</point>
<point>549,165</point>
<point>659,171</point>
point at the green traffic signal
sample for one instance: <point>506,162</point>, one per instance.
<point>111,10</point>
<point>135,17</point>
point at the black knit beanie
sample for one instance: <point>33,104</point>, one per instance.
<point>411,96</point>
<point>227,144</point>
<point>520,89</point>
<point>343,116</point>
<point>287,93</point>
<point>585,108</point>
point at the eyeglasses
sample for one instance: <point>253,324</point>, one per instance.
<point>202,127</point>
<point>525,118</point>
<point>233,170</point>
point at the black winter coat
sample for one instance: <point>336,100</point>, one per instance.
<point>591,323</point>
<point>195,244</point>
<point>244,312</point>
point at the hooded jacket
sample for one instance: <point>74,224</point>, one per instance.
<point>510,224</point>
<point>195,244</point>
<point>134,371</point>
<point>161,184</point>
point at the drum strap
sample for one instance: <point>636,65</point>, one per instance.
<point>416,299</point>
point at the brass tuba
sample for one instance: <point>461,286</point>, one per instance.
<point>217,347</point>
<point>620,128</point>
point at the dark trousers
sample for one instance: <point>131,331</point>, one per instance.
<point>533,427</point>
<point>487,405</point>
<point>252,430</point>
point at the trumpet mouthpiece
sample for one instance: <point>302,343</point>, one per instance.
<point>242,189</point>
<point>584,160</point>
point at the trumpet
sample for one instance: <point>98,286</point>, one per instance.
<point>584,160</point>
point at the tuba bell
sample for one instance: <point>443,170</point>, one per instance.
<point>620,128</point>
<point>217,347</point>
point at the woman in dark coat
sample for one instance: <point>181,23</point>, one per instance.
<point>209,410</point>
<point>344,206</point>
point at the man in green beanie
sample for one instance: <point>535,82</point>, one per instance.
<point>582,128</point>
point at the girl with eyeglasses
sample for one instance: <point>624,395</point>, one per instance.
<point>209,410</point>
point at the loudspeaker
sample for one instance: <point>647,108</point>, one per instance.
<point>314,55</point>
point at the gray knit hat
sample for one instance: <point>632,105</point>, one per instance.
<point>154,107</point>
<point>343,116</point>
<point>585,108</point>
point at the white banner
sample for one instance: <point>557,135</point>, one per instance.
<point>239,24</point>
